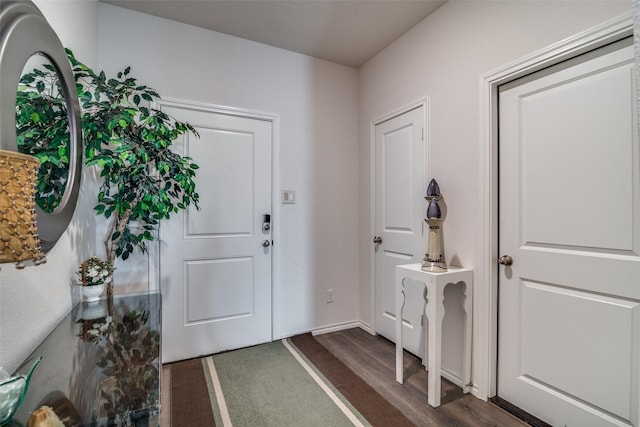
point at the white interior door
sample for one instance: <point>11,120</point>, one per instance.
<point>400,187</point>
<point>215,273</point>
<point>569,305</point>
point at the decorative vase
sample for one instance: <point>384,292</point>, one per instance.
<point>92,293</point>
<point>13,389</point>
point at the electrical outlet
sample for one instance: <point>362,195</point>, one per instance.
<point>330,296</point>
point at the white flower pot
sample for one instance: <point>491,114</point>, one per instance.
<point>92,293</point>
<point>94,310</point>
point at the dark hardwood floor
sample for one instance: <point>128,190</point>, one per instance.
<point>373,359</point>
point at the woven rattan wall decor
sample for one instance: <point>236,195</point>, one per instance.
<point>19,239</point>
<point>25,35</point>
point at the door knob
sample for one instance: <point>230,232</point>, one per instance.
<point>265,243</point>
<point>505,260</point>
<point>377,240</point>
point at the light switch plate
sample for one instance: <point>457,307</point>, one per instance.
<point>288,197</point>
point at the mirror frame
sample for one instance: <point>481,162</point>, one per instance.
<point>24,32</point>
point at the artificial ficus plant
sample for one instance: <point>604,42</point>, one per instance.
<point>42,130</point>
<point>143,180</point>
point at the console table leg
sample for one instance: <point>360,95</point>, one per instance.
<point>467,304</point>
<point>434,312</point>
<point>399,346</point>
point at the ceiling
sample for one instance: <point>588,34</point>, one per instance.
<point>348,32</point>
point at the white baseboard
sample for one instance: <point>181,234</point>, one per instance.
<point>367,327</point>
<point>452,377</point>
<point>476,392</point>
<point>457,380</point>
<point>336,327</point>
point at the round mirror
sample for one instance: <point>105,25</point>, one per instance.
<point>42,130</point>
<point>26,36</point>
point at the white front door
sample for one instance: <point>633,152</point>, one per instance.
<point>400,207</point>
<point>215,263</point>
<point>569,214</point>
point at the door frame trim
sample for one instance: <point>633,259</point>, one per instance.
<point>421,102</point>
<point>486,275</point>
<point>154,249</point>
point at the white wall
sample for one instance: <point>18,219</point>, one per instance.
<point>34,300</point>
<point>443,58</point>
<point>316,152</point>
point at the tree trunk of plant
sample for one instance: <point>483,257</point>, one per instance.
<point>110,252</point>
<point>118,223</point>
<point>110,283</point>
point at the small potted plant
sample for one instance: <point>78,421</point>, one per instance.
<point>95,275</point>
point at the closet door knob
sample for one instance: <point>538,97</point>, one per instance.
<point>377,240</point>
<point>505,260</point>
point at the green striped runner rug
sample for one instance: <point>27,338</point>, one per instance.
<point>275,384</point>
<point>269,385</point>
<point>272,384</point>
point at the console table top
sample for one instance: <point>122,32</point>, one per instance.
<point>101,364</point>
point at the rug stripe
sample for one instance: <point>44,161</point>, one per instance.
<point>187,384</point>
<point>222,404</point>
<point>368,402</point>
<point>212,393</point>
<point>350,415</point>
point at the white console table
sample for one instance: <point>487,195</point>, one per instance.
<point>434,313</point>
